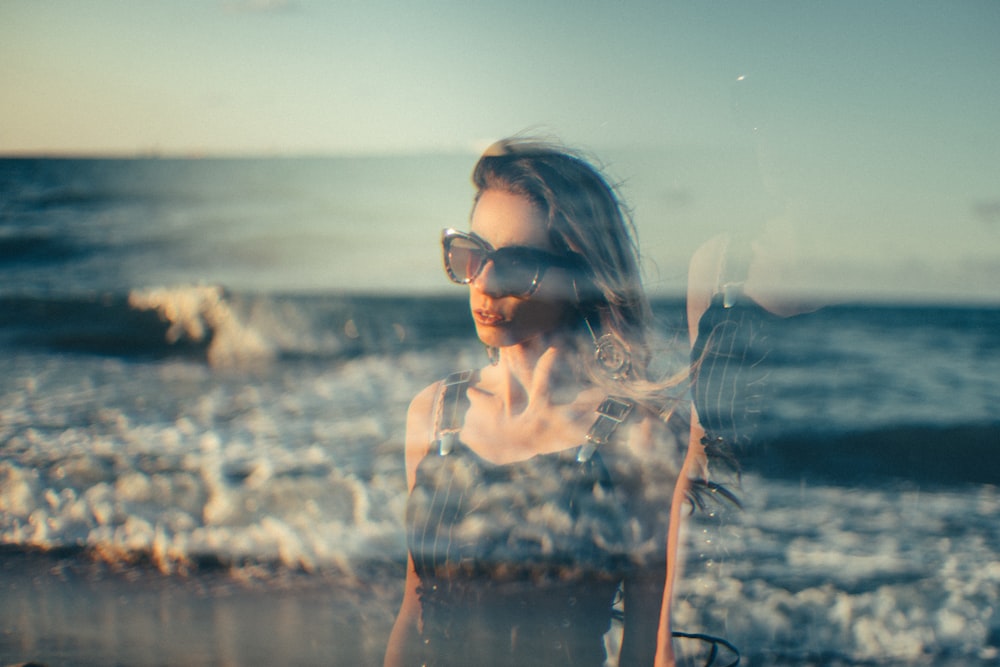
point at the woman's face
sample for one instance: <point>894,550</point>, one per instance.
<point>504,219</point>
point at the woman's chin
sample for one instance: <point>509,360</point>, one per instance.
<point>501,338</point>
<point>492,337</point>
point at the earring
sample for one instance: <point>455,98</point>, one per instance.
<point>610,354</point>
<point>494,354</point>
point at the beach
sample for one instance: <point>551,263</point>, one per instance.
<point>201,446</point>
<point>61,609</point>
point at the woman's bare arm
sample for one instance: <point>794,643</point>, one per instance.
<point>656,447</point>
<point>405,636</point>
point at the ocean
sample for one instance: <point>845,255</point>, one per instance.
<point>204,377</point>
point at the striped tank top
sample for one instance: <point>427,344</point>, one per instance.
<point>729,356</point>
<point>520,563</point>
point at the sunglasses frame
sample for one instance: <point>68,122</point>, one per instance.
<point>543,259</point>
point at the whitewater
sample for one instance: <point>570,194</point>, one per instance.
<point>201,464</point>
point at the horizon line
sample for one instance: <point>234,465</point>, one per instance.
<point>464,149</point>
<point>61,154</point>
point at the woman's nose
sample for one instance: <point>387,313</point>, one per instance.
<point>486,281</point>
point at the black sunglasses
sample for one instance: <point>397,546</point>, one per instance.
<point>517,269</point>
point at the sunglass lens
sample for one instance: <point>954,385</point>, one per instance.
<point>515,272</point>
<point>465,258</point>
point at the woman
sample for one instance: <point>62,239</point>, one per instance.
<point>540,484</point>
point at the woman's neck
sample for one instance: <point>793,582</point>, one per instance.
<point>533,374</point>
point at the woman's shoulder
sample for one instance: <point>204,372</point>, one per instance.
<point>650,440</point>
<point>423,415</point>
<point>424,399</point>
<point>424,405</point>
<point>647,432</point>
<point>644,460</point>
<point>420,428</point>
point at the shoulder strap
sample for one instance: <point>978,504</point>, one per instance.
<point>612,411</point>
<point>734,264</point>
<point>448,411</point>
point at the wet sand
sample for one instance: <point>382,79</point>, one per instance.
<point>57,610</point>
<point>66,609</point>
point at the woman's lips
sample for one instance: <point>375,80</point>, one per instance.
<point>488,318</point>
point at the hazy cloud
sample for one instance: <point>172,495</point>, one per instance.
<point>259,6</point>
<point>987,211</point>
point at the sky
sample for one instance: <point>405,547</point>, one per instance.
<point>870,128</point>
